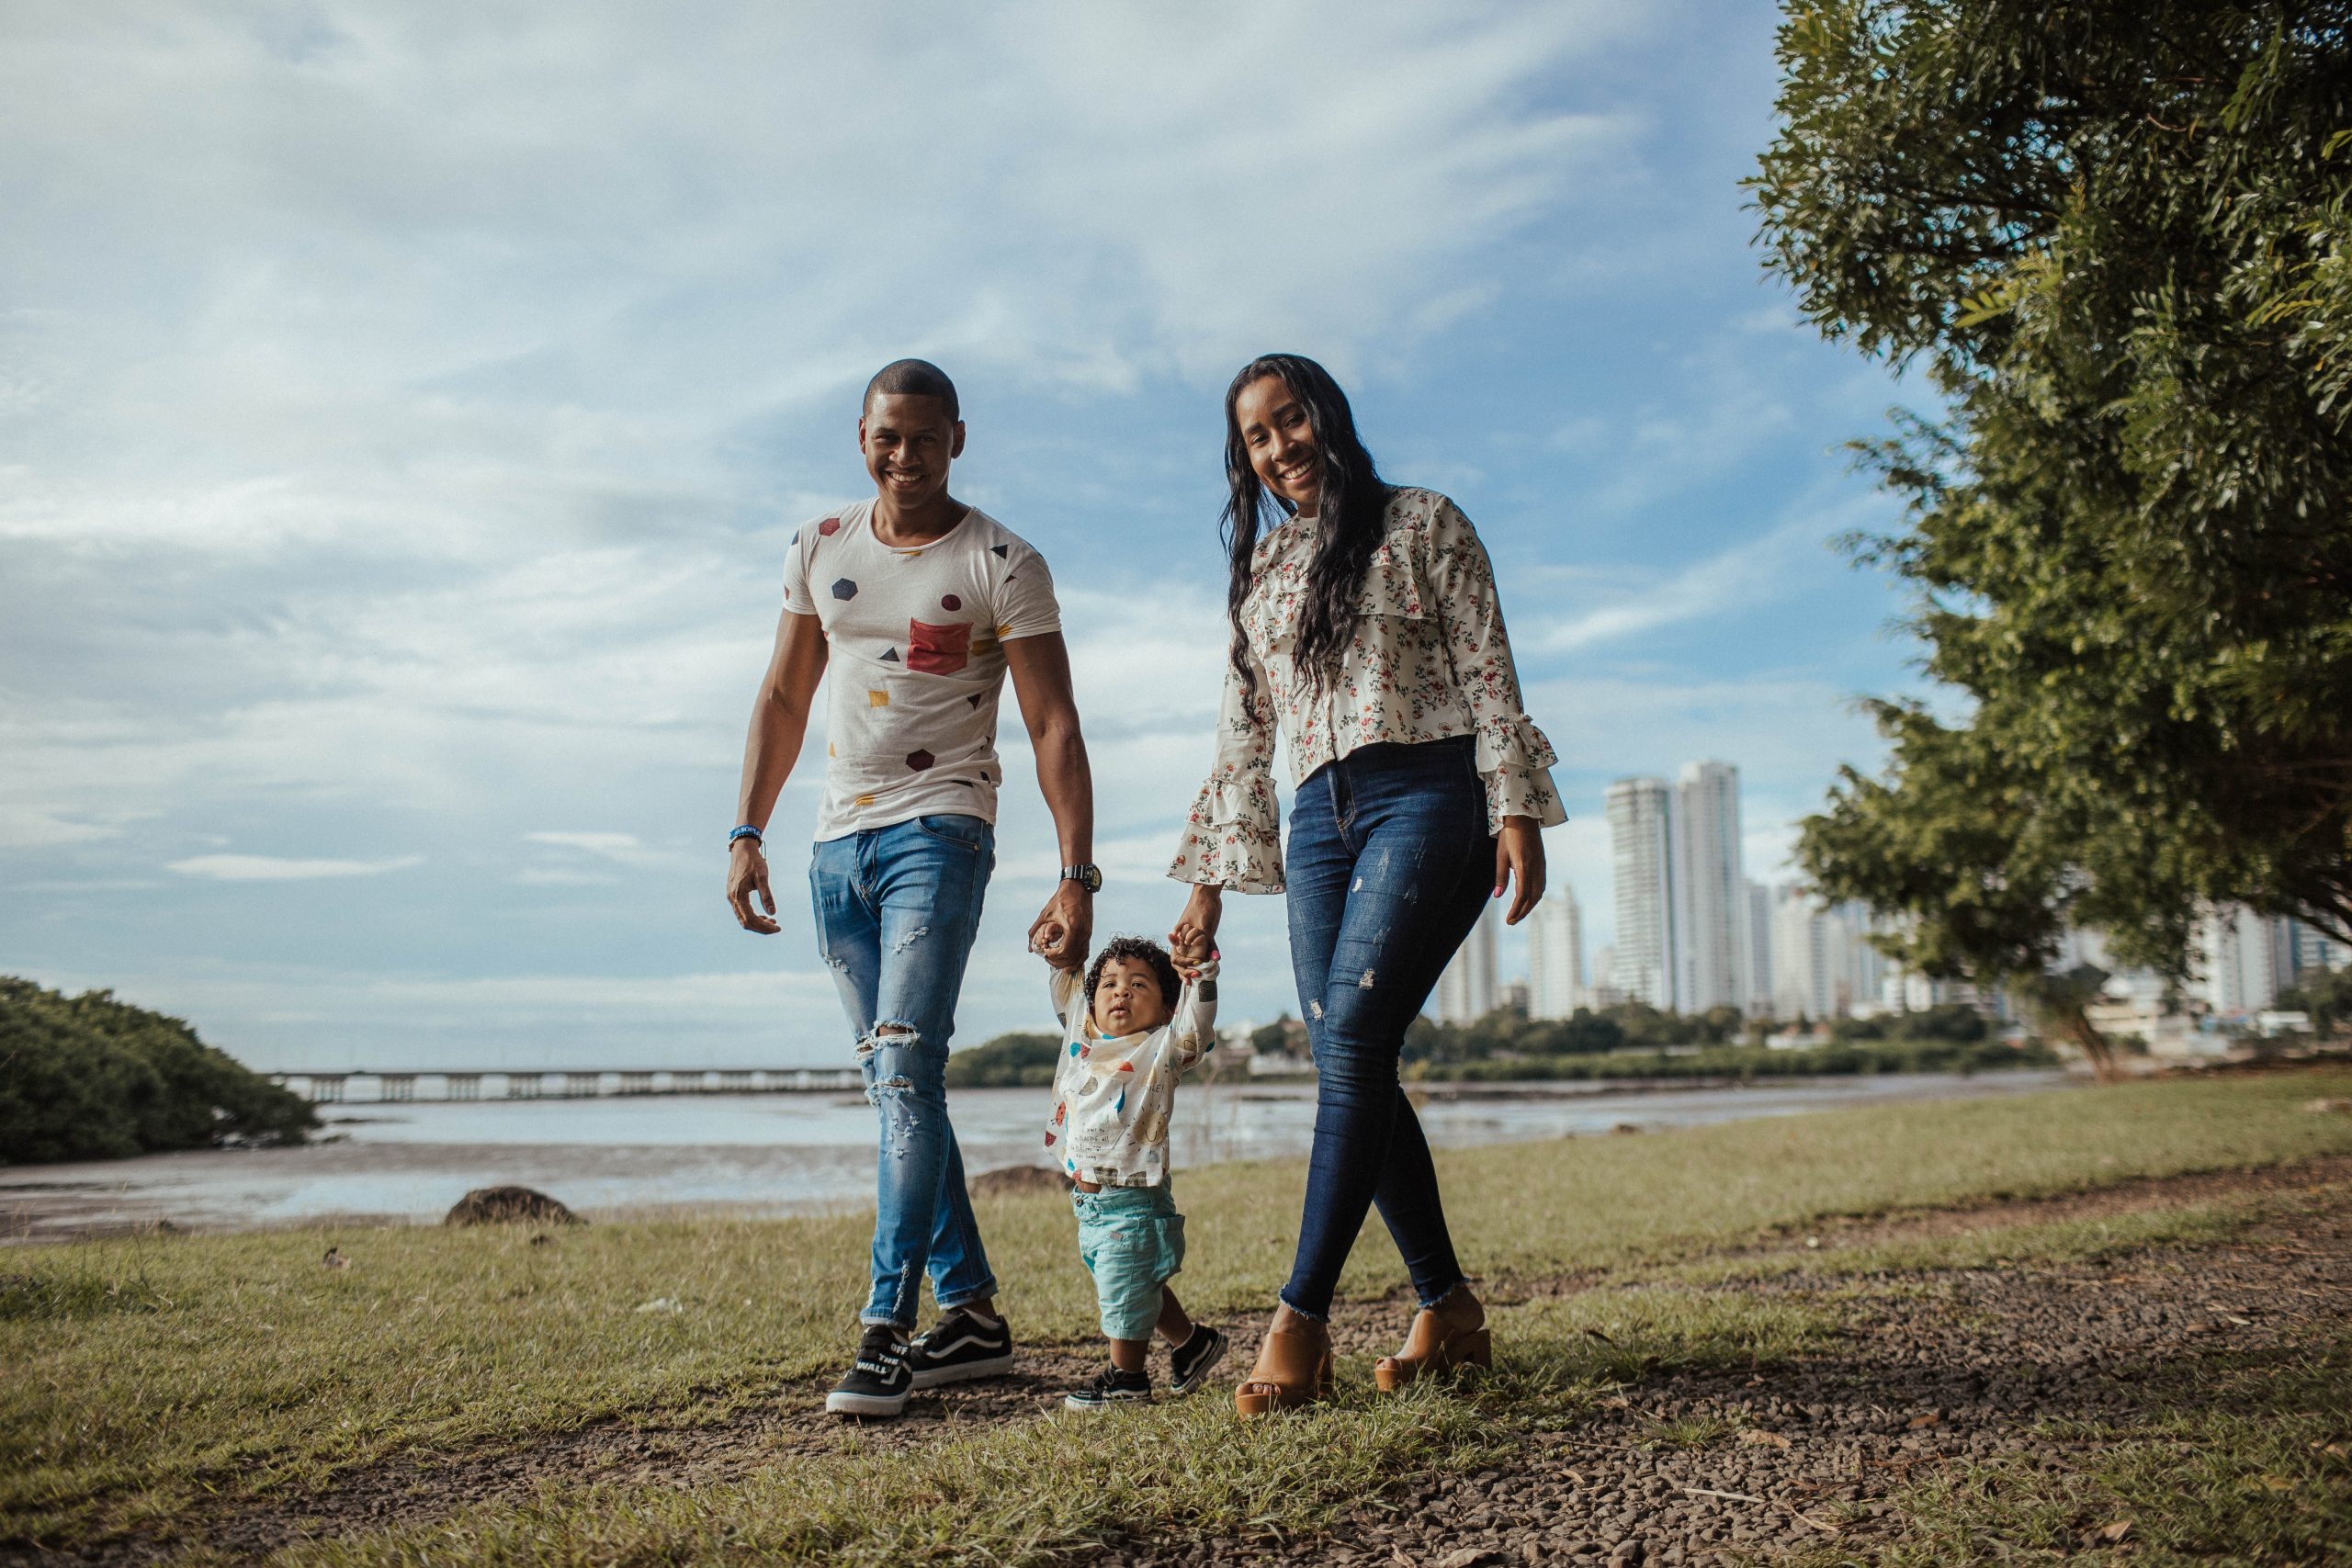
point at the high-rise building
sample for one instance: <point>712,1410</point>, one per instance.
<point>2239,957</point>
<point>1465,991</point>
<point>1641,833</point>
<point>1710,904</point>
<point>1756,960</point>
<point>1556,954</point>
<point>1815,970</point>
<point>2309,948</point>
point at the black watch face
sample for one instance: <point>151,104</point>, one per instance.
<point>1087,876</point>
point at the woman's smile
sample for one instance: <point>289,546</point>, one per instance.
<point>1281,439</point>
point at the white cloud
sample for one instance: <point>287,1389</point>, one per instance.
<point>622,848</point>
<point>271,868</point>
<point>1747,575</point>
<point>403,412</point>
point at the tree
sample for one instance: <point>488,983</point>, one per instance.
<point>2117,235</point>
<point>1981,873</point>
<point>2326,997</point>
<point>90,1077</point>
<point>1023,1060</point>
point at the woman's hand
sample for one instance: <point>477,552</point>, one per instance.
<point>1193,936</point>
<point>1519,853</point>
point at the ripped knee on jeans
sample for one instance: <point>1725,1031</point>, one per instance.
<point>891,1033</point>
<point>893,1093</point>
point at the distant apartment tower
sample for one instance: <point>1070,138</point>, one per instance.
<point>1641,834</point>
<point>2241,958</point>
<point>1813,967</point>
<point>1757,960</point>
<point>1556,954</point>
<point>2309,948</point>
<point>1711,909</point>
<point>1687,934</point>
<point>1465,991</point>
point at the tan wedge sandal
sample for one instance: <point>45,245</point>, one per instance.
<point>1294,1368</point>
<point>1432,1348</point>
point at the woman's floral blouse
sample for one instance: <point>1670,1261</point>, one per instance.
<point>1428,661</point>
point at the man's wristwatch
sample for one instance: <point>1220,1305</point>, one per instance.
<point>1089,877</point>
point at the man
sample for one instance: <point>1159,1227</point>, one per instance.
<point>920,605</point>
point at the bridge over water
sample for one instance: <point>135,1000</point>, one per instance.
<point>362,1087</point>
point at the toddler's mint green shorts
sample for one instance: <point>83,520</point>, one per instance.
<point>1132,1240</point>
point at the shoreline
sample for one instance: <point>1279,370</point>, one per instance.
<point>753,1160</point>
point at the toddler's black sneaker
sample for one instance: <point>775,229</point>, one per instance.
<point>1111,1387</point>
<point>878,1381</point>
<point>1196,1357</point>
<point>960,1347</point>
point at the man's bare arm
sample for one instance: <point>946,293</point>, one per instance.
<point>780,721</point>
<point>1040,667</point>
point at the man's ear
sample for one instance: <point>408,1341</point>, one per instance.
<point>955,448</point>
<point>861,433</point>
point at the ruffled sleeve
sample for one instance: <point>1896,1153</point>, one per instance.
<point>1233,834</point>
<point>1514,758</point>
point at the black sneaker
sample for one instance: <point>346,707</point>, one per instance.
<point>1196,1357</point>
<point>960,1347</point>
<point>877,1382</point>
<point>1111,1387</point>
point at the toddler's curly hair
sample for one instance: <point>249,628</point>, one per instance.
<point>1144,949</point>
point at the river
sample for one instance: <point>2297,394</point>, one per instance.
<point>782,1153</point>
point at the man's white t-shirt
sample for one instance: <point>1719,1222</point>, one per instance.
<point>915,661</point>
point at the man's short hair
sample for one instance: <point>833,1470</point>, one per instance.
<point>915,379</point>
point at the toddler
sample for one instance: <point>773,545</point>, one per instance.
<point>1130,1028</point>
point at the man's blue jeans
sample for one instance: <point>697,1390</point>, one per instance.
<point>896,909</point>
<point>1388,866</point>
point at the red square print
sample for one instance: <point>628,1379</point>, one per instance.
<point>938,650</point>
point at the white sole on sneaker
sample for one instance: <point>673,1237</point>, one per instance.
<point>840,1404</point>
<point>965,1372</point>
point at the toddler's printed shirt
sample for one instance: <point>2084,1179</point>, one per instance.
<point>1112,1096</point>
<point>914,661</point>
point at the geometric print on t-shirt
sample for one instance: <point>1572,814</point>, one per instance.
<point>915,660</point>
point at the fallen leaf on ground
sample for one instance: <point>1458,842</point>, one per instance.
<point>1755,1439</point>
<point>2115,1531</point>
<point>1929,1419</point>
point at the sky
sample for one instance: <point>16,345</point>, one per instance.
<point>403,410</point>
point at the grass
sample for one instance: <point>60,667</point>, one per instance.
<point>146,1376</point>
<point>2249,1460</point>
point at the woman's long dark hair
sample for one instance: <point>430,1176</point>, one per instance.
<point>1350,509</point>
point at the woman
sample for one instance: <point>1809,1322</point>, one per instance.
<point>1365,629</point>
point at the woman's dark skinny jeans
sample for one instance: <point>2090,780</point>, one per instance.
<point>1388,867</point>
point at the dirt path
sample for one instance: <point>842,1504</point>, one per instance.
<point>1956,1363</point>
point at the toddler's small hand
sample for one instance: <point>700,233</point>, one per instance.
<point>1188,944</point>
